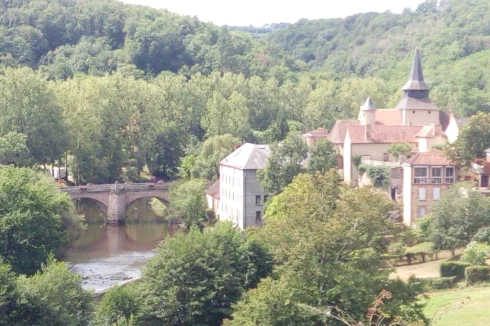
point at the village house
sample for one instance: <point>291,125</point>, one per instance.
<point>241,198</point>
<point>426,176</point>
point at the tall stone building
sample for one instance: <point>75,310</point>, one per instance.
<point>241,197</point>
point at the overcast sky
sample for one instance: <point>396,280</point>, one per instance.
<point>261,12</point>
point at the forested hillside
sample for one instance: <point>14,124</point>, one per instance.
<point>118,88</point>
<point>454,37</point>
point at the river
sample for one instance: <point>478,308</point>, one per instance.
<point>109,255</point>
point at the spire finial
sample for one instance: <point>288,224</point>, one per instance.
<point>416,80</point>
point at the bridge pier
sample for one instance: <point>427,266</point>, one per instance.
<point>116,208</point>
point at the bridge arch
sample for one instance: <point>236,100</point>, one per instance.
<point>93,213</point>
<point>162,199</point>
<point>115,199</point>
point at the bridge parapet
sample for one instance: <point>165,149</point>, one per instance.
<point>114,187</point>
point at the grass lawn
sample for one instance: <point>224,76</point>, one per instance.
<point>459,307</point>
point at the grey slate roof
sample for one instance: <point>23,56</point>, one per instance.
<point>248,157</point>
<point>368,105</point>
<point>416,80</point>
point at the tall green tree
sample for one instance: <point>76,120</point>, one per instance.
<point>285,162</point>
<point>28,106</point>
<point>472,140</point>
<point>53,296</point>
<point>458,216</point>
<point>328,254</point>
<point>323,157</point>
<point>194,278</point>
<point>36,218</point>
<point>187,201</point>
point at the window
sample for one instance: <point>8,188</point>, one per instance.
<point>421,211</point>
<point>436,176</point>
<point>436,194</point>
<point>266,198</point>
<point>258,216</point>
<point>420,175</point>
<point>385,157</point>
<point>421,193</point>
<point>450,174</point>
<point>257,200</point>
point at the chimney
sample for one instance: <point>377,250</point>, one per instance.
<point>367,133</point>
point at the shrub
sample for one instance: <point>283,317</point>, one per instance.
<point>483,235</point>
<point>438,283</point>
<point>477,274</point>
<point>476,253</point>
<point>454,268</point>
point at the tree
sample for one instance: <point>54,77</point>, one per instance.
<point>194,278</point>
<point>457,217</point>
<point>35,218</point>
<point>472,141</point>
<point>188,202</point>
<point>204,163</point>
<point>398,149</point>
<point>476,253</point>
<point>8,295</point>
<point>53,296</point>
<point>118,306</point>
<point>328,256</point>
<point>27,106</point>
<point>323,157</point>
<point>285,162</point>
<point>13,149</point>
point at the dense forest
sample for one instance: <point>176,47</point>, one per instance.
<point>115,89</point>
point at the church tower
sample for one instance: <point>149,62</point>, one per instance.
<point>367,114</point>
<point>416,106</point>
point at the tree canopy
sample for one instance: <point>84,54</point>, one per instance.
<point>35,218</point>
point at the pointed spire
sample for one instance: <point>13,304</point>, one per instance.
<point>368,105</point>
<point>416,80</point>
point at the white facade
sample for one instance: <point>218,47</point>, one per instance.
<point>241,195</point>
<point>407,195</point>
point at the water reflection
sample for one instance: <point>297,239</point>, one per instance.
<point>106,255</point>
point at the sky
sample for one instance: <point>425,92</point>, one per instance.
<point>262,12</point>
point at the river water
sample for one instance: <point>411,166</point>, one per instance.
<point>109,255</point>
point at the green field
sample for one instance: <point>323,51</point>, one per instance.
<point>459,307</point>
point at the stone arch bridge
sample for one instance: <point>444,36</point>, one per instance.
<point>114,199</point>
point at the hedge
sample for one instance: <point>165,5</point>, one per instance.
<point>454,268</point>
<point>477,274</point>
<point>438,283</point>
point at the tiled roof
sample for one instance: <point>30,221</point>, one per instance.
<point>432,157</point>
<point>318,133</point>
<point>431,131</point>
<point>337,134</point>
<point>410,103</point>
<point>213,190</point>
<point>389,117</point>
<point>383,134</point>
<point>248,157</point>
